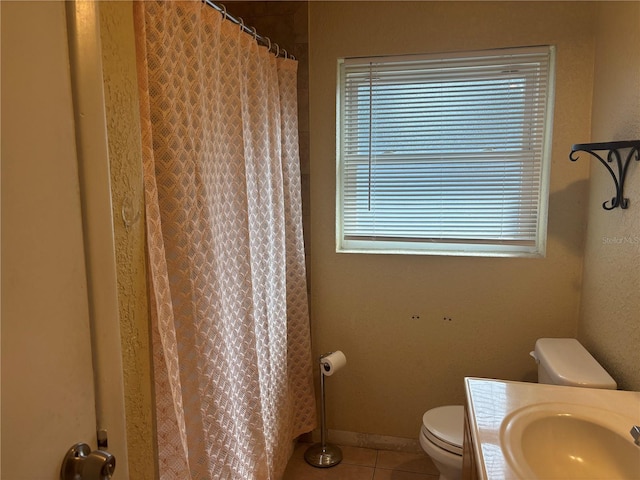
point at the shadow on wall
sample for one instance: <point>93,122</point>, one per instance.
<point>530,377</point>
<point>563,224</point>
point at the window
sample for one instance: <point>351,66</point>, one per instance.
<point>445,154</point>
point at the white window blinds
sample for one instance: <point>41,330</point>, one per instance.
<point>445,154</point>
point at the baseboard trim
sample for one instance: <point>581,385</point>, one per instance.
<point>366,440</point>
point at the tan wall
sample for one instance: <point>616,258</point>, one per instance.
<point>363,304</point>
<point>610,311</point>
<point>125,159</point>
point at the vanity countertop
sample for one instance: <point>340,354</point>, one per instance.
<point>489,402</point>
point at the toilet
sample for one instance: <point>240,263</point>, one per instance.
<point>561,361</point>
<point>441,438</point>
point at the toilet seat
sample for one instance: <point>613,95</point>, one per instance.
<point>444,426</point>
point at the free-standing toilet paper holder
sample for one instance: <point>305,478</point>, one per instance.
<point>322,454</point>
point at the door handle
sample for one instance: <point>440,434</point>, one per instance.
<point>80,463</point>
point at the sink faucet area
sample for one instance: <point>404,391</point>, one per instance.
<point>520,430</point>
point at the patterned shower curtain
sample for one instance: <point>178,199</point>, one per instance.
<point>231,347</point>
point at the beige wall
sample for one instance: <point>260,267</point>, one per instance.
<point>399,367</point>
<point>125,159</point>
<point>610,310</point>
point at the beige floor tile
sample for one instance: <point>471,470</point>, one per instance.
<point>343,471</point>
<point>359,456</point>
<point>299,469</point>
<point>365,457</point>
<point>383,474</point>
<point>406,462</point>
<point>363,464</point>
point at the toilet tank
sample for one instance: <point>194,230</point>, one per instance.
<point>564,361</point>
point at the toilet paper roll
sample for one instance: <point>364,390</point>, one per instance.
<point>332,363</point>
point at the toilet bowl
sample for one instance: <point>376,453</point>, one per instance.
<point>441,438</point>
<point>561,361</point>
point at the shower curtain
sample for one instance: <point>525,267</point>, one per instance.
<point>231,346</point>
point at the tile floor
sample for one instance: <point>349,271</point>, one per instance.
<point>363,464</point>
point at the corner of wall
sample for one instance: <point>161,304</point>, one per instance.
<point>125,158</point>
<point>609,324</point>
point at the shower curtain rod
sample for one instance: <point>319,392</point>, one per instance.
<point>265,41</point>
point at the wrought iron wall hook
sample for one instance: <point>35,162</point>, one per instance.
<point>613,155</point>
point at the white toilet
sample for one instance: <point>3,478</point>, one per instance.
<point>561,361</point>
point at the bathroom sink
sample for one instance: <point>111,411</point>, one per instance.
<point>568,441</point>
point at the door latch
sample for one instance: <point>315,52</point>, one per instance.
<point>80,463</point>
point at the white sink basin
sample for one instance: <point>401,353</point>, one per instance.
<point>567,441</point>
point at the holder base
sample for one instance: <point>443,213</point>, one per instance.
<point>323,456</point>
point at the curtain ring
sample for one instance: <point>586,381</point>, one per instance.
<point>255,33</point>
<point>284,52</point>
<point>277,49</point>
<point>241,23</point>
<point>268,40</point>
<point>224,12</point>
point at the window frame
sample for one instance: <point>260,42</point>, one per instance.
<point>431,246</point>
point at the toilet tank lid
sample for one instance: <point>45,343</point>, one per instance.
<point>568,363</point>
